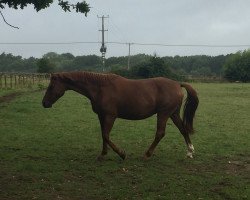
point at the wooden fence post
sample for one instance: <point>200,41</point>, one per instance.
<point>1,80</point>
<point>19,80</point>
<point>23,79</point>
<point>5,81</point>
<point>11,81</point>
<point>33,79</point>
<point>15,81</point>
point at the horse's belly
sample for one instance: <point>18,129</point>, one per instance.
<point>134,113</point>
<point>135,116</point>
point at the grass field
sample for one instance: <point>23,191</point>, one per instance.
<point>51,153</point>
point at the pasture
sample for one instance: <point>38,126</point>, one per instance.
<point>51,153</point>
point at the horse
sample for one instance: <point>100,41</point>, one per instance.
<point>113,96</point>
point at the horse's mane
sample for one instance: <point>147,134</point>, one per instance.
<point>89,77</point>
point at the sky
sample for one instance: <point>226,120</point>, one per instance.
<point>168,22</point>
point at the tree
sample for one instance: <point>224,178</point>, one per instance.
<point>81,7</point>
<point>155,67</point>
<point>237,67</point>
<point>45,66</point>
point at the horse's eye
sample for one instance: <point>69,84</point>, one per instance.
<point>50,87</point>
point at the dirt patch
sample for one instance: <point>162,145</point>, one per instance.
<point>9,97</point>
<point>234,166</point>
<point>237,167</point>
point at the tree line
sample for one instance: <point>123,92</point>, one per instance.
<point>234,67</point>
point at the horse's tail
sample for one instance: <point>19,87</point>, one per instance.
<point>190,107</point>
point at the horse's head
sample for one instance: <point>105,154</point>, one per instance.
<point>55,90</point>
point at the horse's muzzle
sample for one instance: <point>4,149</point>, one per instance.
<point>46,104</point>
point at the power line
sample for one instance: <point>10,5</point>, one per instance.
<point>119,32</point>
<point>47,43</point>
<point>127,43</point>
<point>180,45</point>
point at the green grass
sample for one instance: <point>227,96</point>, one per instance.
<point>51,153</point>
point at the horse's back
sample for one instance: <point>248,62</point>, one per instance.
<point>169,93</point>
<point>138,99</point>
<point>156,87</point>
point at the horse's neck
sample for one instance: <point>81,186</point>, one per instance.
<point>83,86</point>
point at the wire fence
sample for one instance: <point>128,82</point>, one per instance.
<point>26,80</point>
<point>22,80</point>
<point>204,79</point>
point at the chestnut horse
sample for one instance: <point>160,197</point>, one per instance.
<point>113,96</point>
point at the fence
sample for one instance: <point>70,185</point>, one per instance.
<point>22,80</point>
<point>206,79</point>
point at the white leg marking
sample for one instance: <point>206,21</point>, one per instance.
<point>191,148</point>
<point>190,151</point>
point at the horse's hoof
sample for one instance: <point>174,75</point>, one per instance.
<point>145,157</point>
<point>189,155</point>
<point>123,155</point>
<point>100,158</point>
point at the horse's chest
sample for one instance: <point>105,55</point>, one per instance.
<point>104,106</point>
<point>95,107</point>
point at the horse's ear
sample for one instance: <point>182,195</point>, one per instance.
<point>54,76</point>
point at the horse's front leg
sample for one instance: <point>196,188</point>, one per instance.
<point>104,143</point>
<point>107,123</point>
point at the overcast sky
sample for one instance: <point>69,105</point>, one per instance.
<point>175,22</point>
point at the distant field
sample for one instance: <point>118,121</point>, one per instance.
<point>51,153</point>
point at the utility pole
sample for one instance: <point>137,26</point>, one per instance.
<point>103,47</point>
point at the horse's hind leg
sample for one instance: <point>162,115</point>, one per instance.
<point>160,132</point>
<point>179,124</point>
<point>106,126</point>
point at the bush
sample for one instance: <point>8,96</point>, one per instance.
<point>155,67</point>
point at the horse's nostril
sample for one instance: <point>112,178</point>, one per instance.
<point>43,103</point>
<point>46,104</point>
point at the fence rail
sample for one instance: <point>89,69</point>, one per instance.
<point>208,79</point>
<point>22,80</point>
